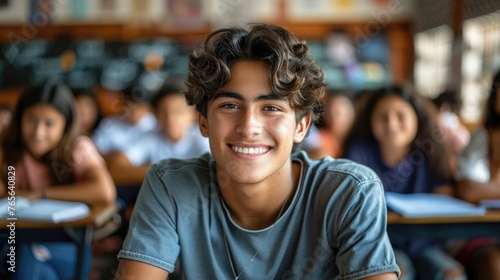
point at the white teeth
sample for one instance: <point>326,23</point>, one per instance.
<point>249,151</point>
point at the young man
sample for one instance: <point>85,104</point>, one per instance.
<point>252,209</point>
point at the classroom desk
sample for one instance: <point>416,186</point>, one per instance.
<point>487,225</point>
<point>82,230</point>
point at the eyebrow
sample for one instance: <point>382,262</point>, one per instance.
<point>262,97</point>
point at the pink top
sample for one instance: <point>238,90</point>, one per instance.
<point>84,156</point>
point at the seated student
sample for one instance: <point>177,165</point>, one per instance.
<point>338,118</point>
<point>116,134</point>
<point>51,160</point>
<point>478,178</point>
<point>178,137</point>
<point>394,136</point>
<point>88,111</point>
<point>455,135</point>
<point>251,209</point>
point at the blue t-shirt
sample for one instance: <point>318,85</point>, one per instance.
<point>335,227</point>
<point>411,175</point>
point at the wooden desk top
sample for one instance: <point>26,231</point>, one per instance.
<point>99,215</point>
<point>492,216</point>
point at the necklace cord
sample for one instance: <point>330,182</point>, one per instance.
<point>271,227</point>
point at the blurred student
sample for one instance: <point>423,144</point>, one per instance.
<point>5,117</point>
<point>338,119</point>
<point>178,137</point>
<point>88,111</point>
<point>116,134</point>
<point>51,160</point>
<point>478,178</point>
<point>455,135</point>
<point>394,136</point>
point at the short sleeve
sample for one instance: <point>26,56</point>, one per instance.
<point>85,155</point>
<point>152,237</point>
<point>361,233</point>
<point>101,136</point>
<point>472,162</point>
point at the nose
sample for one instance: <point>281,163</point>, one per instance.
<point>392,122</point>
<point>249,124</point>
<point>39,130</point>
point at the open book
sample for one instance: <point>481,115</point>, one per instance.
<point>43,210</point>
<point>430,205</point>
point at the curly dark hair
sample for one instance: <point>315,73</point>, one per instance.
<point>292,72</point>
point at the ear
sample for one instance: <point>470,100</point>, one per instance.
<point>301,129</point>
<point>203,124</point>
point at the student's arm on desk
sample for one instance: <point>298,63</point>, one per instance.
<point>385,276</point>
<point>444,190</point>
<point>97,188</point>
<point>122,170</point>
<point>129,269</point>
<point>474,192</point>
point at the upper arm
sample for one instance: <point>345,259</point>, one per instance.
<point>129,269</point>
<point>361,231</point>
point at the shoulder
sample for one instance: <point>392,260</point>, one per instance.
<point>111,122</point>
<point>148,121</point>
<point>83,142</point>
<point>194,169</point>
<point>340,169</point>
<point>184,179</point>
<point>85,153</point>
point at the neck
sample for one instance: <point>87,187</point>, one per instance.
<point>393,156</point>
<point>258,206</point>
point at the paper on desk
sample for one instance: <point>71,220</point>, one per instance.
<point>43,210</point>
<point>430,205</point>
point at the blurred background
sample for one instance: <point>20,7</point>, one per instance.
<point>361,44</point>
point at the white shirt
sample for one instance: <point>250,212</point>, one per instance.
<point>116,134</point>
<point>154,146</point>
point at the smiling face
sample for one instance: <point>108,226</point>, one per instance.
<point>394,123</point>
<point>42,128</point>
<point>251,130</point>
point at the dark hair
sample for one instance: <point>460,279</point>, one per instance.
<point>137,92</point>
<point>449,97</point>
<point>292,72</point>
<point>492,117</point>
<point>6,108</point>
<point>427,128</point>
<point>89,92</point>
<point>172,86</point>
<point>60,97</point>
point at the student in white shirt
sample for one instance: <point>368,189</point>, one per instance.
<point>116,134</point>
<point>178,136</point>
